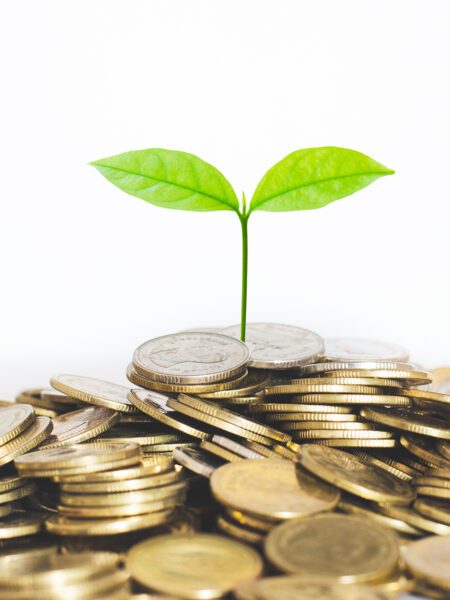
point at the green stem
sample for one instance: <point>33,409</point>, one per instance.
<point>243,217</point>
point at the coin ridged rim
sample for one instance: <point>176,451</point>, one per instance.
<point>362,365</point>
<point>328,473</point>
<point>356,443</point>
<point>427,507</point>
<point>410,377</point>
<point>261,449</point>
<point>17,493</point>
<point>341,379</point>
<point>306,425</point>
<point>161,465</point>
<point>414,519</point>
<point>126,485</point>
<point>274,554</point>
<point>218,423</point>
<point>22,421</point>
<point>243,389</point>
<point>59,474</point>
<point>390,419</point>
<point>433,492</point>
<point>444,449</point>
<point>156,412</point>
<point>219,451</point>
<point>285,452</point>
<point>350,399</point>
<point>11,482</point>
<point>291,407</point>
<point>219,375</point>
<point>235,447</point>
<point>440,482</point>
<point>308,417</point>
<point>430,458</point>
<point>108,421</point>
<point>224,414</point>
<point>276,390</point>
<point>36,433</point>
<point>430,573</point>
<point>121,510</point>
<point>383,464</point>
<point>330,434</point>
<point>122,498</point>
<point>160,386</point>
<point>33,523</point>
<point>94,527</point>
<point>239,531</point>
<point>196,460</point>
<point>383,519</point>
<point>92,397</point>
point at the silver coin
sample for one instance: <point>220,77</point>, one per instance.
<point>355,349</point>
<point>195,357</point>
<point>197,461</point>
<point>276,346</point>
<point>324,367</point>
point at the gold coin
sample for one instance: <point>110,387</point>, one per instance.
<point>207,565</point>
<point>20,523</point>
<point>14,420</point>
<point>428,560</point>
<point>94,391</point>
<point>355,508</point>
<point>6,509</point>
<point>428,396</point>
<point>354,475</point>
<point>236,448</point>
<point>437,510</point>
<point>396,583</point>
<point>433,472</point>
<point>218,412</point>
<point>388,464</point>
<point>218,423</point>
<point>311,416</point>
<point>279,407</point>
<point>144,436</point>
<point>297,587</point>
<point>178,388</point>
<point>341,379</point>
<point>284,452</point>
<point>125,510</point>
<point>254,381</point>
<point>198,461</point>
<point>415,520</point>
<point>38,569</point>
<point>151,467</point>
<point>16,494</point>
<point>58,398</point>
<point>219,451</point>
<point>77,455</point>
<point>250,521</point>
<point>355,443</point>
<point>271,489</point>
<point>80,425</point>
<point>34,398</point>
<point>425,450</point>
<point>132,484</point>
<point>355,398</point>
<point>61,474</point>
<point>122,498</point>
<point>321,546</point>
<point>434,492</point>
<point>35,434</point>
<point>322,388</point>
<point>156,405</point>
<point>261,450</point>
<point>60,525</point>
<point>413,421</point>
<point>324,434</point>
<point>11,482</point>
<point>321,425</point>
<point>405,376</point>
<point>444,449</point>
<point>239,531</point>
<point>167,447</point>
<point>433,481</point>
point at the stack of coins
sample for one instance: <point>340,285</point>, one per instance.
<point>53,576</point>
<point>47,402</point>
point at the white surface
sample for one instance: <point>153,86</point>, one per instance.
<point>88,273</point>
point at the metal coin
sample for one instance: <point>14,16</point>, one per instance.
<point>197,461</point>
<point>428,560</point>
<point>14,420</point>
<point>410,420</point>
<point>351,349</point>
<point>35,434</point>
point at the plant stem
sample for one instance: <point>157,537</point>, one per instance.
<point>243,217</point>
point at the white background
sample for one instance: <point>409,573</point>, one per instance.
<point>88,273</point>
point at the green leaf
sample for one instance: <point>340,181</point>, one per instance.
<point>314,177</point>
<point>169,179</point>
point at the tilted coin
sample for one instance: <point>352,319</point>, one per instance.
<point>16,494</point>
<point>121,510</point>
<point>332,547</point>
<point>311,416</point>
<point>11,482</point>
<point>207,565</point>
<point>77,455</point>
<point>352,507</point>
<point>260,449</point>
<point>406,377</point>
<point>444,449</point>
<point>326,366</point>
<point>227,415</point>
<point>281,407</point>
<point>235,447</point>
<point>6,509</point>
<point>152,466</point>
<point>132,484</point>
<point>355,349</point>
<point>14,420</point>
<point>414,421</point>
<point>285,452</point>
<point>80,425</point>
<point>354,475</point>
<point>151,433</point>
<point>297,587</point>
<point>428,560</point>
<point>357,443</point>
<point>276,346</point>
<point>187,388</point>
<point>250,521</point>
<point>34,398</point>
<point>415,520</point>
<point>239,531</point>
<point>60,525</point>
<point>197,461</point>
<point>156,406</point>
<point>320,388</point>
<point>59,474</point>
<point>199,415</point>
<point>433,481</point>
<point>342,379</point>
<point>329,434</point>
<point>254,381</point>
<point>217,450</point>
<point>351,398</point>
<point>434,492</point>
<point>272,489</point>
<point>94,391</point>
<point>428,397</point>
<point>437,510</point>
<point>169,447</point>
<point>191,358</point>
<point>321,425</point>
<point>388,464</point>
<point>20,523</point>
<point>439,472</point>
<point>35,434</point>
<point>425,450</point>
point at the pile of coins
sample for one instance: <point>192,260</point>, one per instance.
<point>286,466</point>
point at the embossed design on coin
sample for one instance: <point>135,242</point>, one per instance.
<point>276,346</point>
<point>350,349</point>
<point>191,358</point>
